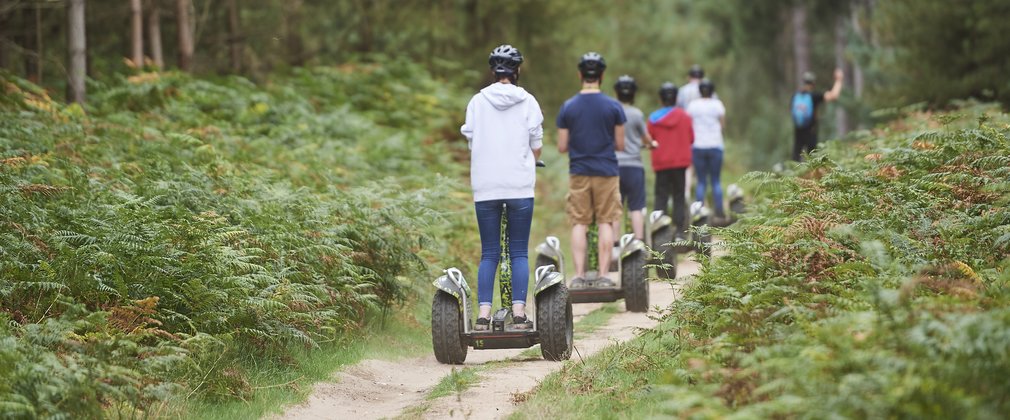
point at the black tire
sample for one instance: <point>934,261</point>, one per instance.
<point>543,260</point>
<point>704,238</point>
<point>737,207</point>
<point>659,242</point>
<point>634,283</point>
<point>554,321</point>
<point>447,329</point>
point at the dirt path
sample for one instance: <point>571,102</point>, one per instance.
<point>381,389</point>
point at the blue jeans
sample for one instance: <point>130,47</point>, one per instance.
<point>520,216</point>
<point>708,165</point>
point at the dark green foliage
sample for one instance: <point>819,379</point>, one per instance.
<point>944,52</point>
<point>869,282</point>
<point>183,226</point>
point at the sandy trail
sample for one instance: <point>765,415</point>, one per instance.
<point>382,389</point>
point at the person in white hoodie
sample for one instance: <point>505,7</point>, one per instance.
<point>504,129</point>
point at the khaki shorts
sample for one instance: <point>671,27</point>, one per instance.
<point>592,197</point>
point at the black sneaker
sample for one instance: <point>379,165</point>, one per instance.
<point>521,323</point>
<point>483,324</point>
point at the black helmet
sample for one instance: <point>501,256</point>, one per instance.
<point>505,60</point>
<point>668,93</point>
<point>626,85</point>
<point>696,72</point>
<point>592,65</point>
<point>706,88</point>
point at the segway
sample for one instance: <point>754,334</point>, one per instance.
<point>737,207</point>
<point>628,259</point>
<point>660,236</point>
<point>453,318</point>
<point>701,218</point>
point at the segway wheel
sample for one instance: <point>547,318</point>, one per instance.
<point>447,329</point>
<point>660,240</point>
<point>634,283</point>
<point>554,320</point>
<point>705,247</point>
<point>704,237</point>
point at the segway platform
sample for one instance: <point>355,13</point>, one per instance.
<point>453,314</point>
<point>502,335</point>
<point>630,258</point>
<point>592,293</point>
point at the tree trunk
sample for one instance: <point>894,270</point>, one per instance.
<point>857,68</point>
<point>38,44</point>
<point>136,33</point>
<point>185,32</point>
<point>234,37</point>
<point>367,42</point>
<point>32,51</point>
<point>4,24</point>
<point>77,47</point>
<point>154,34</point>
<point>801,40</point>
<point>474,30</point>
<point>841,116</point>
<point>292,35</point>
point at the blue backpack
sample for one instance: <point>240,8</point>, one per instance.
<point>803,109</point>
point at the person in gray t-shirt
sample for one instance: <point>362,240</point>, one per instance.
<point>629,161</point>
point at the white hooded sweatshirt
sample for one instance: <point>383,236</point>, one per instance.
<point>503,126</point>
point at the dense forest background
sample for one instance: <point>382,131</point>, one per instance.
<point>894,52</point>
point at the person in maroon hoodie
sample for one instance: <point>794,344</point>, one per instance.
<point>671,127</point>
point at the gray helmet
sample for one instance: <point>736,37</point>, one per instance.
<point>505,60</point>
<point>809,78</point>
<point>696,71</point>
<point>706,88</point>
<point>592,64</point>
<point>668,93</point>
<point>626,85</point>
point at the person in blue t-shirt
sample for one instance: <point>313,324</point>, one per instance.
<point>804,106</point>
<point>591,131</point>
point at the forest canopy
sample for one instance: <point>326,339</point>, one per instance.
<point>894,52</point>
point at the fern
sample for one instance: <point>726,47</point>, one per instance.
<point>263,219</point>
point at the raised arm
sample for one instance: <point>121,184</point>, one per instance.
<point>836,89</point>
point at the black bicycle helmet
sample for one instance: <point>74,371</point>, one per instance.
<point>626,85</point>
<point>592,65</point>
<point>696,72</point>
<point>668,93</point>
<point>706,88</point>
<point>505,60</point>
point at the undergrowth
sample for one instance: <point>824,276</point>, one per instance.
<point>869,282</point>
<point>156,242</point>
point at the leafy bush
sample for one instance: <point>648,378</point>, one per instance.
<point>869,282</point>
<point>180,226</point>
